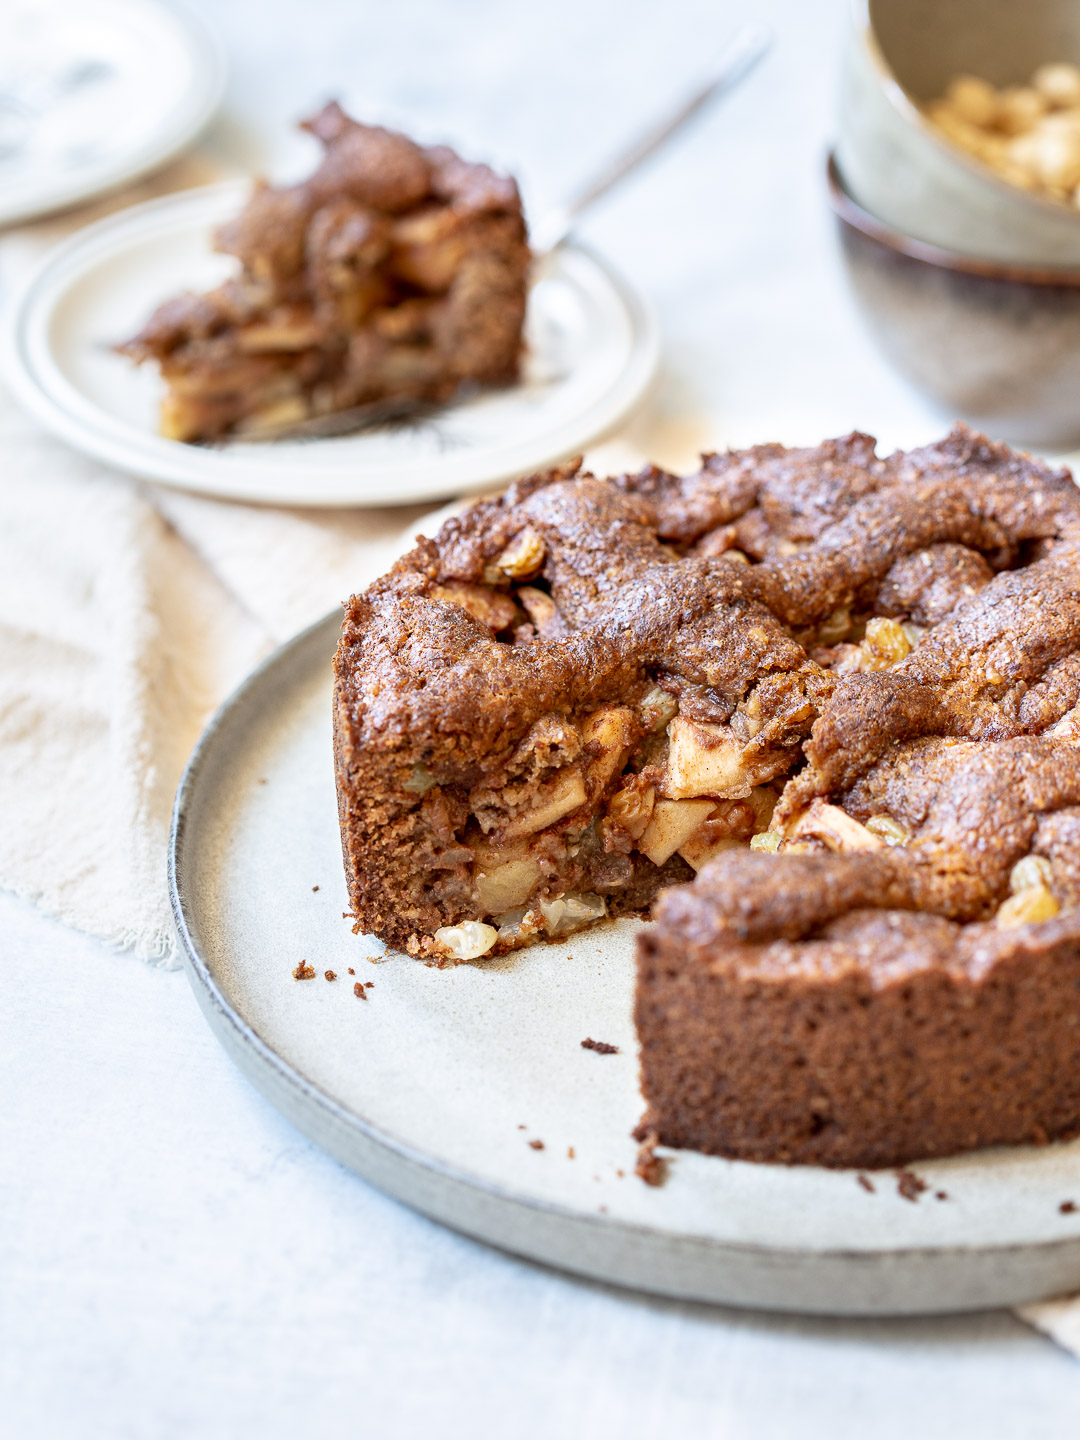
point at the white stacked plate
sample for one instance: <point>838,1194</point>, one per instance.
<point>94,93</point>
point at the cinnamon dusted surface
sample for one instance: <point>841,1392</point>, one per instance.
<point>886,996</point>
<point>892,645</point>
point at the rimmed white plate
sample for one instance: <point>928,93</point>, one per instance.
<point>437,1086</point>
<point>592,351</point>
<point>94,93</point>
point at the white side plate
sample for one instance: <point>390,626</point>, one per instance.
<point>433,1087</point>
<point>94,93</point>
<point>592,351</point>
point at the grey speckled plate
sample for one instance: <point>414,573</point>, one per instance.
<point>434,1086</point>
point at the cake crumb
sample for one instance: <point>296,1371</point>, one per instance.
<point>314,888</point>
<point>570,1152</point>
<point>536,1144</point>
<point>262,780</point>
<point>1067,1207</point>
<point>909,1185</point>
<point>330,974</point>
<point>521,1127</point>
<point>600,1046</point>
<point>650,1167</point>
<point>304,971</point>
<point>941,1194</point>
<point>602,1209</point>
<point>866,1183</point>
<point>351,970</point>
<point>621,1174</point>
<point>359,991</point>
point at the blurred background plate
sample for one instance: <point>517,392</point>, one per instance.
<point>94,93</point>
<point>591,353</point>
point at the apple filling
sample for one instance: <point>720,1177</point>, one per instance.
<point>591,815</point>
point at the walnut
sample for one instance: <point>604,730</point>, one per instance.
<point>1031,871</point>
<point>467,941</point>
<point>524,556</point>
<point>888,829</point>
<point>631,807</point>
<point>1027,907</point>
<point>542,611</point>
<point>491,608</point>
<point>884,646</point>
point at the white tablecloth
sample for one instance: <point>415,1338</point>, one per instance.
<point>175,1260</point>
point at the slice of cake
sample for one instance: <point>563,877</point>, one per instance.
<point>396,272</point>
<point>865,670</point>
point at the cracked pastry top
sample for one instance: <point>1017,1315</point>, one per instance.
<point>395,272</point>
<point>843,688</point>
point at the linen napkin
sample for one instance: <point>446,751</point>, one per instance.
<point>128,613</point>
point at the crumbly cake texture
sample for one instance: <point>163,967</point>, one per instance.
<point>395,272</point>
<point>843,689</point>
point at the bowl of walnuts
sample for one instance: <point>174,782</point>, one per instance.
<point>959,125</point>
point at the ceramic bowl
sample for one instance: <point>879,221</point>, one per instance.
<point>998,345</point>
<point>902,53</point>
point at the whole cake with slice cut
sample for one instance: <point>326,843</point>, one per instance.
<point>396,272</point>
<point>841,688</point>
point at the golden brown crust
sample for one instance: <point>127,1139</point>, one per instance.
<point>896,639</point>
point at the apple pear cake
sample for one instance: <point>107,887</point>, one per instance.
<point>396,272</point>
<point>824,705</point>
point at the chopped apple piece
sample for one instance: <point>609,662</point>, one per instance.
<point>561,795</point>
<point>572,911</point>
<point>504,887</point>
<point>703,845</point>
<point>710,760</point>
<point>609,734</point>
<point>834,828</point>
<point>672,824</point>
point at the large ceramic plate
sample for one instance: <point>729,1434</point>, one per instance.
<point>436,1085</point>
<point>591,352</point>
<point>94,93</point>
